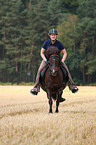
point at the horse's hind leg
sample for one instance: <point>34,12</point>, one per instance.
<point>57,104</point>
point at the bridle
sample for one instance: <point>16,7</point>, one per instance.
<point>55,55</point>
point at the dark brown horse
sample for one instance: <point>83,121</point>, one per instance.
<point>55,78</point>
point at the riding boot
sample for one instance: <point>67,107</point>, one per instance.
<point>71,84</point>
<point>36,87</point>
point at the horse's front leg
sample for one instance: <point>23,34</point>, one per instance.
<point>57,105</point>
<point>50,102</point>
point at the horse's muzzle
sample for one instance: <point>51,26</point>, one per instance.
<point>53,72</point>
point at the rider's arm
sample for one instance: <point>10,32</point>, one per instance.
<point>42,54</point>
<point>64,55</point>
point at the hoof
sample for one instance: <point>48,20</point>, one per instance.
<point>56,111</point>
<point>50,111</point>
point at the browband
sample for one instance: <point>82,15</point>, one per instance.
<point>54,55</point>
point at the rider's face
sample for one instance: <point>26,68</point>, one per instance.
<point>53,37</point>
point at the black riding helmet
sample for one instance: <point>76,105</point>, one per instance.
<point>53,31</point>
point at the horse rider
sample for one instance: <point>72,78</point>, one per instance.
<point>55,43</point>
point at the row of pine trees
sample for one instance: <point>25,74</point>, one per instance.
<point>24,26</point>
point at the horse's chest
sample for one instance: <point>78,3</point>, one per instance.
<point>54,84</point>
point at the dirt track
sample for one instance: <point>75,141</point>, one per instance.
<point>24,118</point>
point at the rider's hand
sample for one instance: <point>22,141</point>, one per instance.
<point>47,62</point>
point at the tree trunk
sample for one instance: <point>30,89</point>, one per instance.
<point>21,72</point>
<point>83,75</point>
<point>4,37</point>
<point>34,74</point>
<point>21,66</point>
<point>89,79</point>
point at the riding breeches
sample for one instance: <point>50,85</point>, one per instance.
<point>71,84</point>
<point>42,65</point>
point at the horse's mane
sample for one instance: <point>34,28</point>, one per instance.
<point>52,50</point>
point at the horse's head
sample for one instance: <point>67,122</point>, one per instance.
<point>54,58</point>
<point>54,64</point>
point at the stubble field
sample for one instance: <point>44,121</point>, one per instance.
<point>24,118</point>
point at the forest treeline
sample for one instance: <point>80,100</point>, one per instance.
<point>24,26</point>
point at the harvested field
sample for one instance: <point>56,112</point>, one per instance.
<point>24,118</point>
